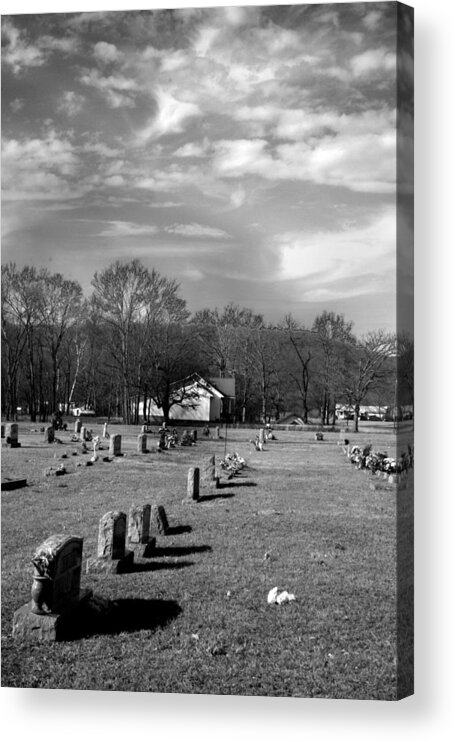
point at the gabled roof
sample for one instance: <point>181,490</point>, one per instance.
<point>197,380</point>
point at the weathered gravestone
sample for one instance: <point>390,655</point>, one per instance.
<point>194,434</point>
<point>77,426</point>
<point>139,531</point>
<point>217,432</point>
<point>142,443</point>
<point>83,433</point>
<point>49,434</point>
<point>208,477</point>
<point>111,556</point>
<point>12,435</point>
<point>261,436</point>
<point>192,490</point>
<point>115,445</point>
<point>159,522</point>
<point>56,593</point>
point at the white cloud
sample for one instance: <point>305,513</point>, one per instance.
<point>127,229</point>
<point>106,53</point>
<point>197,230</point>
<point>193,149</point>
<point>170,118</point>
<point>16,105</point>
<point>371,19</point>
<point>71,103</point>
<point>361,255</point>
<point>118,91</point>
<point>373,62</point>
<point>39,168</point>
<point>17,53</point>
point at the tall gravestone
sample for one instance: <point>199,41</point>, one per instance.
<point>261,436</point>
<point>83,433</point>
<point>158,521</point>
<point>111,555</point>
<point>194,432</point>
<point>115,445</point>
<point>77,426</point>
<point>142,443</point>
<point>49,434</point>
<point>56,590</point>
<point>139,539</point>
<point>12,435</point>
<point>208,476</point>
<point>192,490</point>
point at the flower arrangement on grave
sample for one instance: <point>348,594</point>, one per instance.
<point>232,464</point>
<point>43,560</point>
<point>381,462</point>
<point>42,585</point>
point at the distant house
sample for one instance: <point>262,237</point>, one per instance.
<point>206,400</point>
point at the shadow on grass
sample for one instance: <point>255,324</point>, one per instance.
<point>236,483</point>
<point>150,566</point>
<point>176,530</point>
<point>207,498</point>
<point>99,616</point>
<point>175,551</point>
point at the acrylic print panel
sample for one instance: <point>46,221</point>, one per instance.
<point>207,293</point>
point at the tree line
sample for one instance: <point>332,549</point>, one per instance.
<point>133,339</point>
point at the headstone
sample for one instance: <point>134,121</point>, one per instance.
<point>194,432</point>
<point>83,433</point>
<point>142,443</point>
<point>77,426</point>
<point>217,432</point>
<point>139,531</point>
<point>12,435</point>
<point>105,433</point>
<point>208,470</point>
<point>3,430</point>
<point>193,484</point>
<point>49,434</point>
<point>56,592</point>
<point>115,445</point>
<point>261,436</point>
<point>139,524</point>
<point>208,475</point>
<point>111,556</point>
<point>143,429</point>
<point>159,522</point>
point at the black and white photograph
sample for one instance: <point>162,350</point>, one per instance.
<point>207,387</point>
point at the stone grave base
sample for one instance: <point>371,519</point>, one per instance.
<point>143,551</point>
<point>110,566</point>
<point>13,444</point>
<point>31,627</point>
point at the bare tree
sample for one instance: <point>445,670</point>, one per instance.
<point>334,336</point>
<point>369,367</point>
<point>133,301</point>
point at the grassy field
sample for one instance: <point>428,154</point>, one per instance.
<point>195,617</point>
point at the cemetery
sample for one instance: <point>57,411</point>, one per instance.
<point>217,567</point>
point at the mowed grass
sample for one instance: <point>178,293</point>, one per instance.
<point>195,617</point>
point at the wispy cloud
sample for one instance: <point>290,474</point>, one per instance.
<point>127,229</point>
<point>197,230</point>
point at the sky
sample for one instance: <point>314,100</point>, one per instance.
<point>249,153</point>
